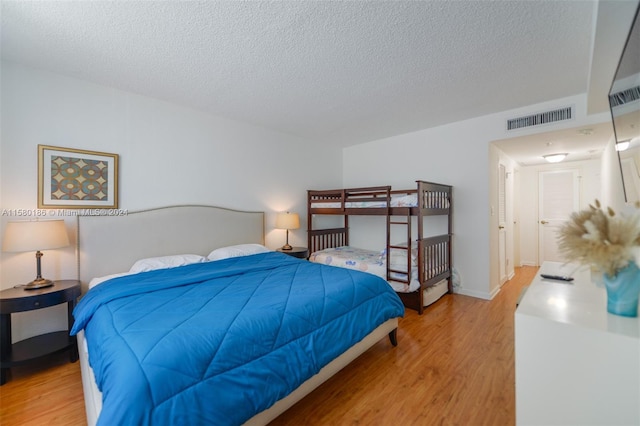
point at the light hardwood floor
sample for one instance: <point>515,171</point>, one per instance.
<point>454,365</point>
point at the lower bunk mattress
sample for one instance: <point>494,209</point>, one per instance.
<point>374,262</point>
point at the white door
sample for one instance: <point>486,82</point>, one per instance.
<point>502,222</point>
<point>558,198</point>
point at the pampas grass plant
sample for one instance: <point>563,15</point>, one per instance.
<point>601,238</point>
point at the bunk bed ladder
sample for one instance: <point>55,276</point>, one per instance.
<point>406,221</point>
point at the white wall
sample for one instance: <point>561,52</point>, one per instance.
<point>458,154</point>
<point>446,154</point>
<point>168,155</point>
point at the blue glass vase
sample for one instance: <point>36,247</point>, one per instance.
<point>623,291</point>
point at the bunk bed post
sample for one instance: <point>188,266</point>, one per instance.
<point>345,217</point>
<point>450,229</point>
<point>409,245</point>
<point>388,236</point>
<point>421,260</point>
<point>309,224</point>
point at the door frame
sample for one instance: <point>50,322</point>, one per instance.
<point>503,199</point>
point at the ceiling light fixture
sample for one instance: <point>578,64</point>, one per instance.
<point>555,158</point>
<point>622,145</point>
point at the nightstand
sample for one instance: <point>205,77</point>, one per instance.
<point>18,299</point>
<point>299,252</point>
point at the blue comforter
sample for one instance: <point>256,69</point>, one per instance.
<point>218,342</point>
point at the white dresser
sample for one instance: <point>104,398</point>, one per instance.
<point>576,364</point>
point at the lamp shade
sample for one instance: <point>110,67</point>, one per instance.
<point>287,221</point>
<point>35,235</point>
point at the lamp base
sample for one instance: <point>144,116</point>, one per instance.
<point>38,283</point>
<point>286,247</point>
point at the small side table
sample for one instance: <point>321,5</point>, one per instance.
<point>18,299</point>
<point>299,252</point>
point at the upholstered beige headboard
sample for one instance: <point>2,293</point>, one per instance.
<point>111,244</point>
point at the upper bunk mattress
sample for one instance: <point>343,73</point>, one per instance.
<point>409,200</point>
<point>432,200</point>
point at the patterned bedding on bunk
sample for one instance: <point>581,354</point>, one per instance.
<point>218,342</point>
<point>407,200</point>
<point>371,261</point>
<point>410,200</point>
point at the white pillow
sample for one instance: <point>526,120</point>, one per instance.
<point>162,262</point>
<point>399,256</point>
<point>99,280</point>
<point>237,251</point>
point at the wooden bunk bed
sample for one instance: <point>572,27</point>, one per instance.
<point>433,259</point>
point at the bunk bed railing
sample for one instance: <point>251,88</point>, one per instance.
<point>316,198</point>
<point>436,258</point>
<point>435,198</point>
<point>320,239</point>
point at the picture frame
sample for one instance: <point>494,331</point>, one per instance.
<point>76,179</point>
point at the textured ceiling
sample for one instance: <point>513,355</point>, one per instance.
<point>337,72</point>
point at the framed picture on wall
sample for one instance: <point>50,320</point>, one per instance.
<point>73,178</point>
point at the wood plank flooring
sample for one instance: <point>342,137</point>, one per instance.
<point>454,365</point>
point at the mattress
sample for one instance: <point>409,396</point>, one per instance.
<point>371,261</point>
<point>254,328</point>
<point>434,201</point>
<point>374,262</point>
<point>409,200</point>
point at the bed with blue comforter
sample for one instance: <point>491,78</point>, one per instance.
<point>218,342</point>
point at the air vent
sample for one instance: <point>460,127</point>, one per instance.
<point>546,117</point>
<point>624,96</point>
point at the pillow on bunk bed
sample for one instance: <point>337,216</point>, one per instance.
<point>398,257</point>
<point>162,262</point>
<point>408,200</point>
<point>237,251</point>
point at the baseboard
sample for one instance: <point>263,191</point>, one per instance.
<point>475,293</point>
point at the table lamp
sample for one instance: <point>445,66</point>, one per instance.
<point>287,221</point>
<point>35,235</point>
